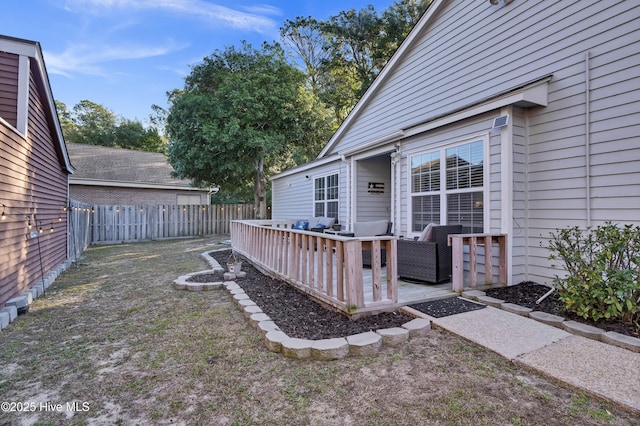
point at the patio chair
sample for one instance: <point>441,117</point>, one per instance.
<point>373,228</point>
<point>429,260</point>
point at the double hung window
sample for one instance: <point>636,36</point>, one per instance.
<point>325,198</point>
<point>451,194</point>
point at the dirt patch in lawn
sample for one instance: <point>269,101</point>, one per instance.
<point>114,343</point>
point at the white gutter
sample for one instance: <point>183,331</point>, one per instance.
<point>124,184</point>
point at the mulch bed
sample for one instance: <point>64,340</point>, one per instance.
<point>526,293</point>
<point>300,317</point>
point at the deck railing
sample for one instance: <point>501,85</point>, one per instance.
<point>325,266</point>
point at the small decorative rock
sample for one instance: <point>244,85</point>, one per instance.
<point>417,327</point>
<point>329,349</point>
<point>250,310</point>
<point>267,326</point>
<point>238,297</point>
<point>231,285</point>
<point>516,309</point>
<point>194,287</point>
<point>246,302</point>
<point>12,311</point>
<point>491,301</point>
<point>546,318</point>
<point>21,302</point>
<point>5,319</point>
<point>473,294</point>
<point>364,344</point>
<point>394,336</point>
<point>297,348</point>
<point>584,330</point>
<point>256,318</point>
<point>617,339</point>
<point>273,340</point>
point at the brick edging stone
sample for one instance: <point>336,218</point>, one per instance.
<point>363,344</point>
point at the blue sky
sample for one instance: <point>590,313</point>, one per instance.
<point>126,54</point>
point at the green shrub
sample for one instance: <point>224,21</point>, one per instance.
<point>603,271</point>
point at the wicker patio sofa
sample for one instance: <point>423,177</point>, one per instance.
<point>428,261</point>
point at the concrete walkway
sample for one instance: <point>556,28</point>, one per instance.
<point>589,365</point>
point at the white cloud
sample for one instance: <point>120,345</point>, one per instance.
<point>253,21</point>
<point>86,59</point>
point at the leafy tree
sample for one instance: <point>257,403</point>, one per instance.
<point>242,115</point>
<point>93,124</point>
<point>304,36</point>
<point>66,120</point>
<point>131,134</point>
<point>398,20</point>
<point>343,55</point>
<point>353,38</point>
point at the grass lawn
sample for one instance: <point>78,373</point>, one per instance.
<point>113,343</point>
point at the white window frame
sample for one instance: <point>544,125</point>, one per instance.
<point>443,192</point>
<point>325,201</point>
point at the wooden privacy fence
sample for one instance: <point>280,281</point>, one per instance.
<point>79,217</point>
<point>115,224</point>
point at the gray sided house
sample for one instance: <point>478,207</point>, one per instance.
<point>114,176</point>
<point>34,170</point>
<point>517,118</point>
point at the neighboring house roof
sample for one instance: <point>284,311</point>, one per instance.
<point>104,166</point>
<point>32,49</point>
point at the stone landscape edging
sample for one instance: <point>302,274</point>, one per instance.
<point>570,326</point>
<point>362,344</point>
<point>278,341</point>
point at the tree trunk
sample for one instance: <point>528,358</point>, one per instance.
<point>260,193</point>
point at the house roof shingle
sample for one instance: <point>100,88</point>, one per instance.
<point>99,163</point>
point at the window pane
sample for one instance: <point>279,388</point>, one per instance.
<point>425,210</point>
<point>332,187</point>
<point>326,196</point>
<point>319,189</point>
<point>466,209</point>
<point>465,166</point>
<point>332,209</point>
<point>425,172</point>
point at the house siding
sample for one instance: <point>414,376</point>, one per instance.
<point>473,50</point>
<point>584,161</point>
<point>293,195</point>
<point>9,87</point>
<point>32,182</point>
<point>373,205</point>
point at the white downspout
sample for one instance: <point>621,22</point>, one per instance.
<point>395,199</point>
<point>506,184</point>
<point>587,132</point>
